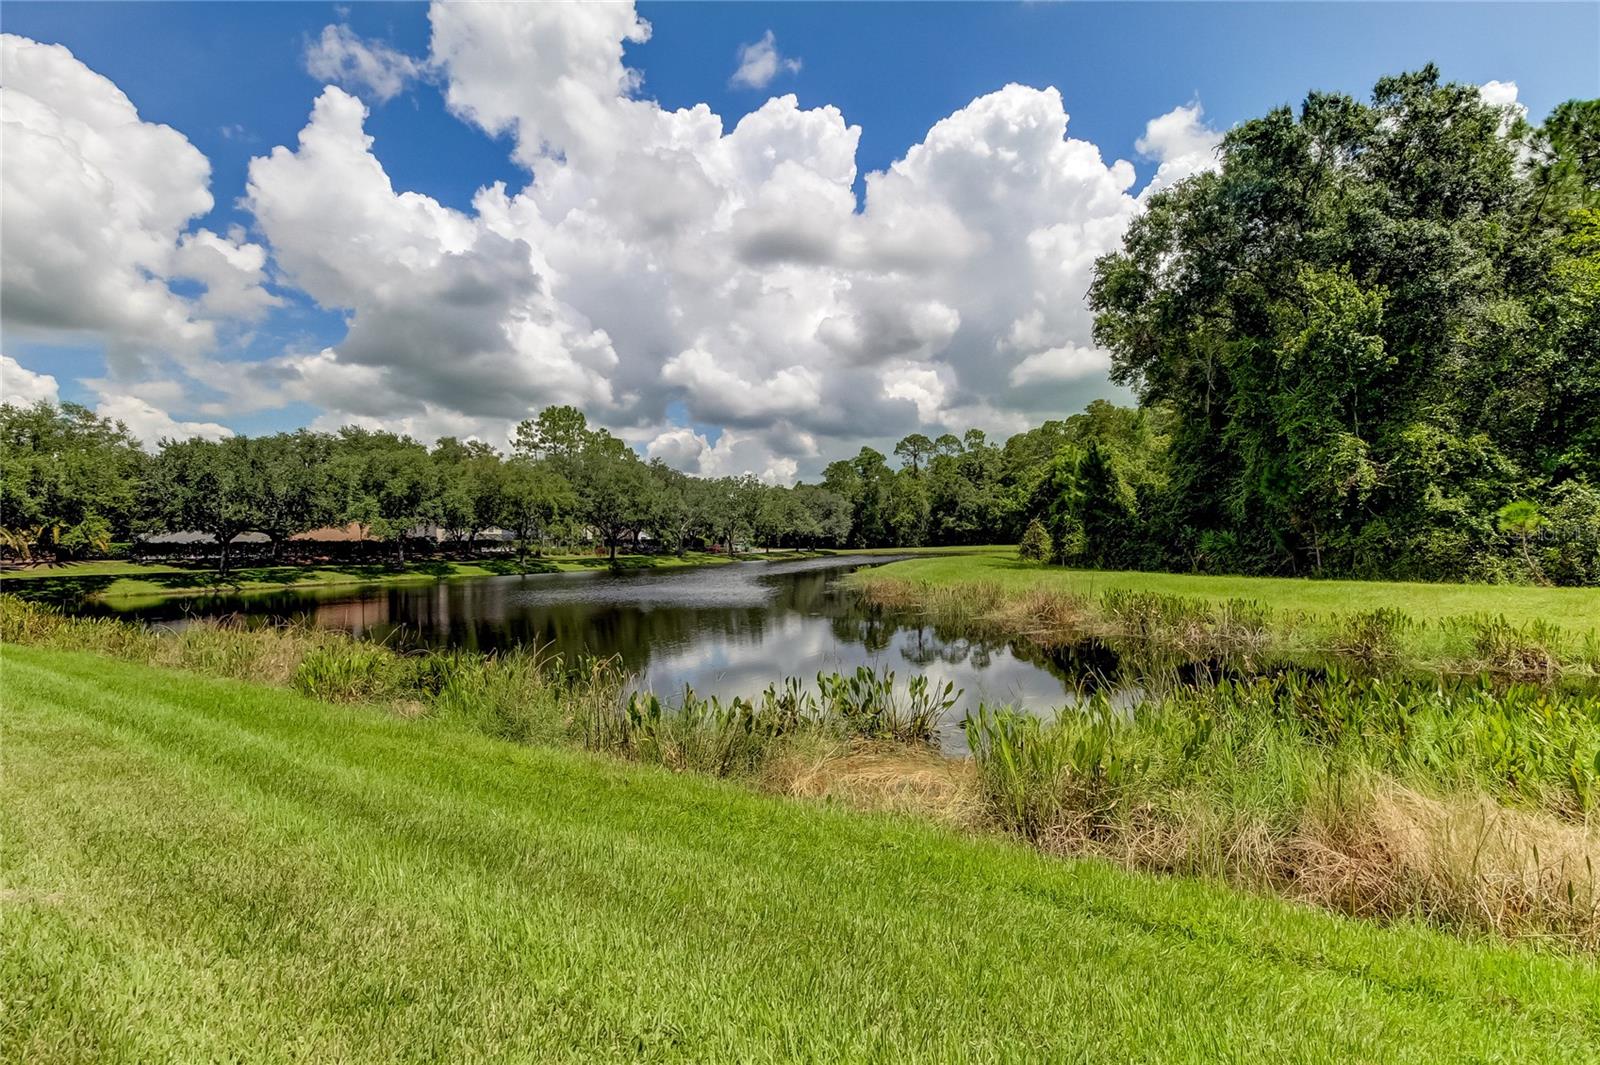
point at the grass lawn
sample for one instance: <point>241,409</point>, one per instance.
<point>1576,610</point>
<point>199,869</point>
<point>126,580</point>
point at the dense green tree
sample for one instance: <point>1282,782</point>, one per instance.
<point>749,502</point>
<point>1359,332</point>
<point>288,484</point>
<point>1571,551</point>
<point>906,509</point>
<point>675,516</point>
<point>1564,162</point>
<point>914,450</point>
<point>533,499</point>
<point>613,489</point>
<point>779,519</point>
<point>1569,371</point>
<point>1035,545</point>
<point>864,481</point>
<point>69,479</point>
<point>827,516</point>
<point>390,484</point>
<point>204,486</point>
<point>471,488</point>
<point>559,433</point>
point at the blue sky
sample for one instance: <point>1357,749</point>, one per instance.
<point>892,68</point>
<point>232,78</point>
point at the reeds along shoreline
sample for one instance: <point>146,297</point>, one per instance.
<point>1471,805</point>
<point>1247,631</point>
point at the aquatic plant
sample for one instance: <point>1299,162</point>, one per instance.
<point>871,705</point>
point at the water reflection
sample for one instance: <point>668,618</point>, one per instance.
<point>724,630</point>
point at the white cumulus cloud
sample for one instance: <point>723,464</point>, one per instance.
<point>659,257</point>
<point>151,425</point>
<point>444,311</point>
<point>1503,94</point>
<point>658,261</point>
<point>340,56</point>
<point>95,209</point>
<point>760,62</point>
<point>1068,363</point>
<point>22,387</point>
<point>733,454</point>
<point>1181,143</point>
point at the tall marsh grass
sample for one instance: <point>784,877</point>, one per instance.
<point>1471,807</point>
<point>516,695</point>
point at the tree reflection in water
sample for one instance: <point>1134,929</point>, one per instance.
<point>723,630</point>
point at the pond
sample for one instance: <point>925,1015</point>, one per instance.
<point>723,630</point>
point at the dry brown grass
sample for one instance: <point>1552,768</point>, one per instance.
<point>892,593</point>
<point>1464,861</point>
<point>1377,849</point>
<point>1374,849</point>
<point>1046,616</point>
<point>878,776</point>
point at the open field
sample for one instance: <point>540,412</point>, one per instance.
<point>1308,612</point>
<point>127,580</point>
<point>203,869</point>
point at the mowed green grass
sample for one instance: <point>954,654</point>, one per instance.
<point>198,869</point>
<point>1576,610</point>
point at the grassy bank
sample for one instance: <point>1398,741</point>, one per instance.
<point>201,869</point>
<point>1445,627</point>
<point>1474,807</point>
<point>139,580</point>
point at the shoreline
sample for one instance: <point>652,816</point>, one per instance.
<point>151,581</point>
<point>1445,629</point>
<point>1325,791</point>
<point>114,581</point>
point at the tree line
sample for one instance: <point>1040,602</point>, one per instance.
<point>75,483</point>
<point>1076,491</point>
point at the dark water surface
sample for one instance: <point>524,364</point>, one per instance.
<point>723,630</point>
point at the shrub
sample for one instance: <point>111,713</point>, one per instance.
<point>1572,536</point>
<point>1532,650</point>
<point>1036,545</point>
<point>350,672</point>
<point>1371,635</point>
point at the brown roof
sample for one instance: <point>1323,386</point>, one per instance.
<point>335,533</point>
